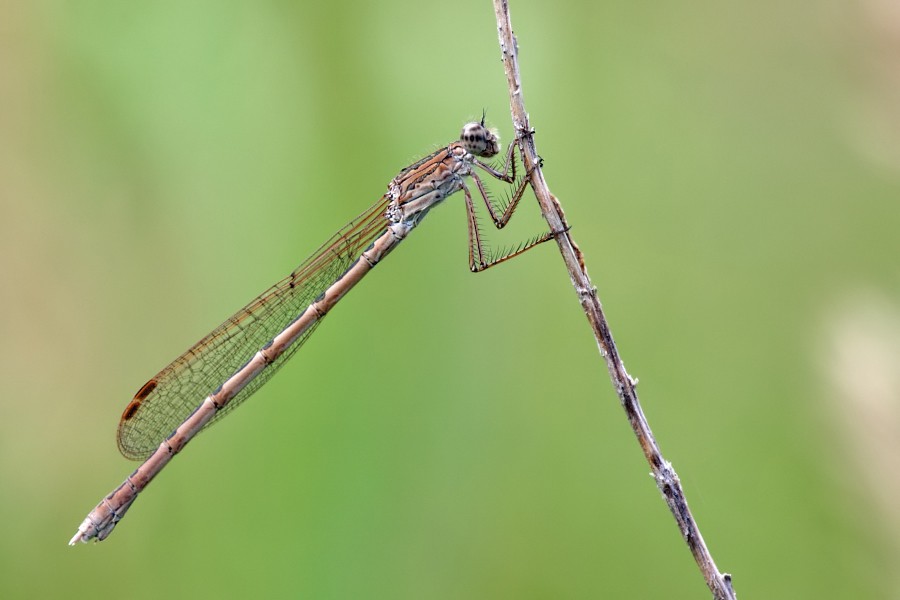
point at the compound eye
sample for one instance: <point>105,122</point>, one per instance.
<point>478,140</point>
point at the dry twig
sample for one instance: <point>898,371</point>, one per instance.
<point>666,479</point>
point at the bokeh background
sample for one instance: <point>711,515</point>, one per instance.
<point>731,171</point>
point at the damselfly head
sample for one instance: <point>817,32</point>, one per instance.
<point>479,140</point>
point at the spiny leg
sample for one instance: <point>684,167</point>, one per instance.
<point>479,255</point>
<point>500,220</point>
<point>509,165</point>
<point>476,250</point>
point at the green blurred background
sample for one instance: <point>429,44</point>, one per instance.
<point>731,171</point>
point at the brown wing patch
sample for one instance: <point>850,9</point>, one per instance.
<point>138,399</point>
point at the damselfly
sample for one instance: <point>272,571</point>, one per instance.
<point>238,357</point>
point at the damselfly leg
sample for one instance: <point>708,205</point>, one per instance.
<point>480,255</point>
